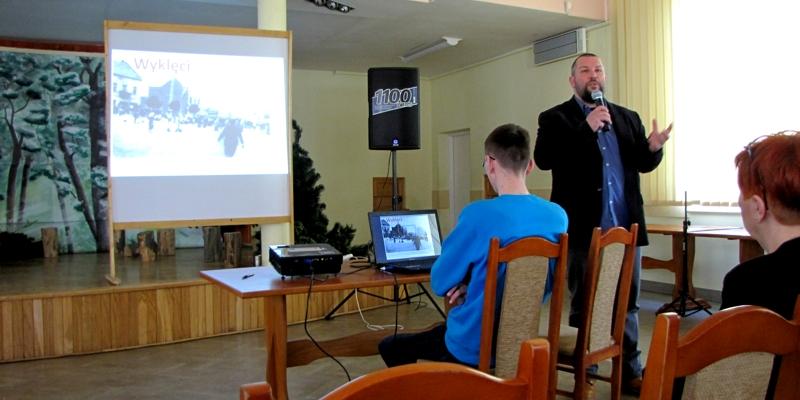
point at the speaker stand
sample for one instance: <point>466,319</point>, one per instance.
<point>396,207</point>
<point>685,305</point>
<point>395,190</point>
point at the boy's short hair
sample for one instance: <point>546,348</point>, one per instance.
<point>510,145</point>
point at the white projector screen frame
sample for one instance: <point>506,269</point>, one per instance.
<point>177,166</point>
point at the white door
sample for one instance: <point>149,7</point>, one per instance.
<point>459,173</point>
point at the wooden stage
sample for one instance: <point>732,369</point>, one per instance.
<point>65,306</point>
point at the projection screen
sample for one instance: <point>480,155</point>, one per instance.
<point>197,121</point>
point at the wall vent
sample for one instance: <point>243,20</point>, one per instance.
<point>567,44</point>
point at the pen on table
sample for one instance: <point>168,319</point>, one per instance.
<point>247,276</point>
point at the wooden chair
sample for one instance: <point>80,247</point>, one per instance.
<point>527,264</point>
<point>727,356</point>
<point>255,391</point>
<point>436,380</point>
<point>599,336</point>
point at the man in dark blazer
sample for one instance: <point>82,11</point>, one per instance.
<point>596,151</point>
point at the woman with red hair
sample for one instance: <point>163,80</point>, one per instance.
<point>769,185</point>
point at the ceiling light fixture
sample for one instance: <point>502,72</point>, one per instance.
<point>333,5</point>
<point>443,43</point>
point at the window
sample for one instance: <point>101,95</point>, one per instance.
<point>736,77</point>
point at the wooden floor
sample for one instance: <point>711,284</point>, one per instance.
<point>57,307</point>
<point>73,272</point>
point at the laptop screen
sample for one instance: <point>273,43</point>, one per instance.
<point>400,236</point>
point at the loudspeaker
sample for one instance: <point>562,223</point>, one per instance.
<point>393,108</point>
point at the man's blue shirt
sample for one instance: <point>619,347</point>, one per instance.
<point>615,211</point>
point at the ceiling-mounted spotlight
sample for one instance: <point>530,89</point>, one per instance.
<point>333,5</point>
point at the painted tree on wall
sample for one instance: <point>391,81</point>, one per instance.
<point>53,110</point>
<point>17,93</point>
<point>51,166</point>
<point>80,83</point>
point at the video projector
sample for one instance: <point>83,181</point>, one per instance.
<point>302,259</point>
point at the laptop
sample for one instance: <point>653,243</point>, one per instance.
<point>405,241</point>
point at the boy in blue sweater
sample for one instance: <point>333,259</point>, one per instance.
<point>460,272</point>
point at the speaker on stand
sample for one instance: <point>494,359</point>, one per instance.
<point>393,96</point>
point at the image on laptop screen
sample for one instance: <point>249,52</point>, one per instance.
<point>400,236</point>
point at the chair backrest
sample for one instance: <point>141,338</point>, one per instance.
<point>727,356</point>
<point>608,275</point>
<point>527,264</point>
<point>435,380</point>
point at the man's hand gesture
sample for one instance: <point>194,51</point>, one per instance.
<point>657,138</point>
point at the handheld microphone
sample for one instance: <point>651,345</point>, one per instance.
<point>597,96</point>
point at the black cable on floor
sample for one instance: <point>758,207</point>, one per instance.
<point>420,303</point>
<point>396,306</point>
<point>305,327</point>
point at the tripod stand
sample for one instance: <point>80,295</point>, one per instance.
<point>685,305</point>
<point>396,293</point>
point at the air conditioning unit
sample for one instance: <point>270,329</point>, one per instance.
<point>567,44</point>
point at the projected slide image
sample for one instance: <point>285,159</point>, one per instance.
<point>181,114</point>
<point>406,236</point>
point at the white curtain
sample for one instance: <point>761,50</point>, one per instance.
<point>643,48</point>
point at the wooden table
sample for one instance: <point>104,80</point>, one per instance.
<point>748,248</point>
<point>267,283</point>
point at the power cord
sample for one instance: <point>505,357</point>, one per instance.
<point>418,294</point>
<point>360,261</point>
<point>358,264</point>
<point>371,326</point>
<point>305,327</point>
<point>396,308</point>
<point>420,303</point>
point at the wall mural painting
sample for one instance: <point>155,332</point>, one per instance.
<point>53,150</point>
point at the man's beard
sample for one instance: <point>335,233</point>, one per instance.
<point>586,94</point>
